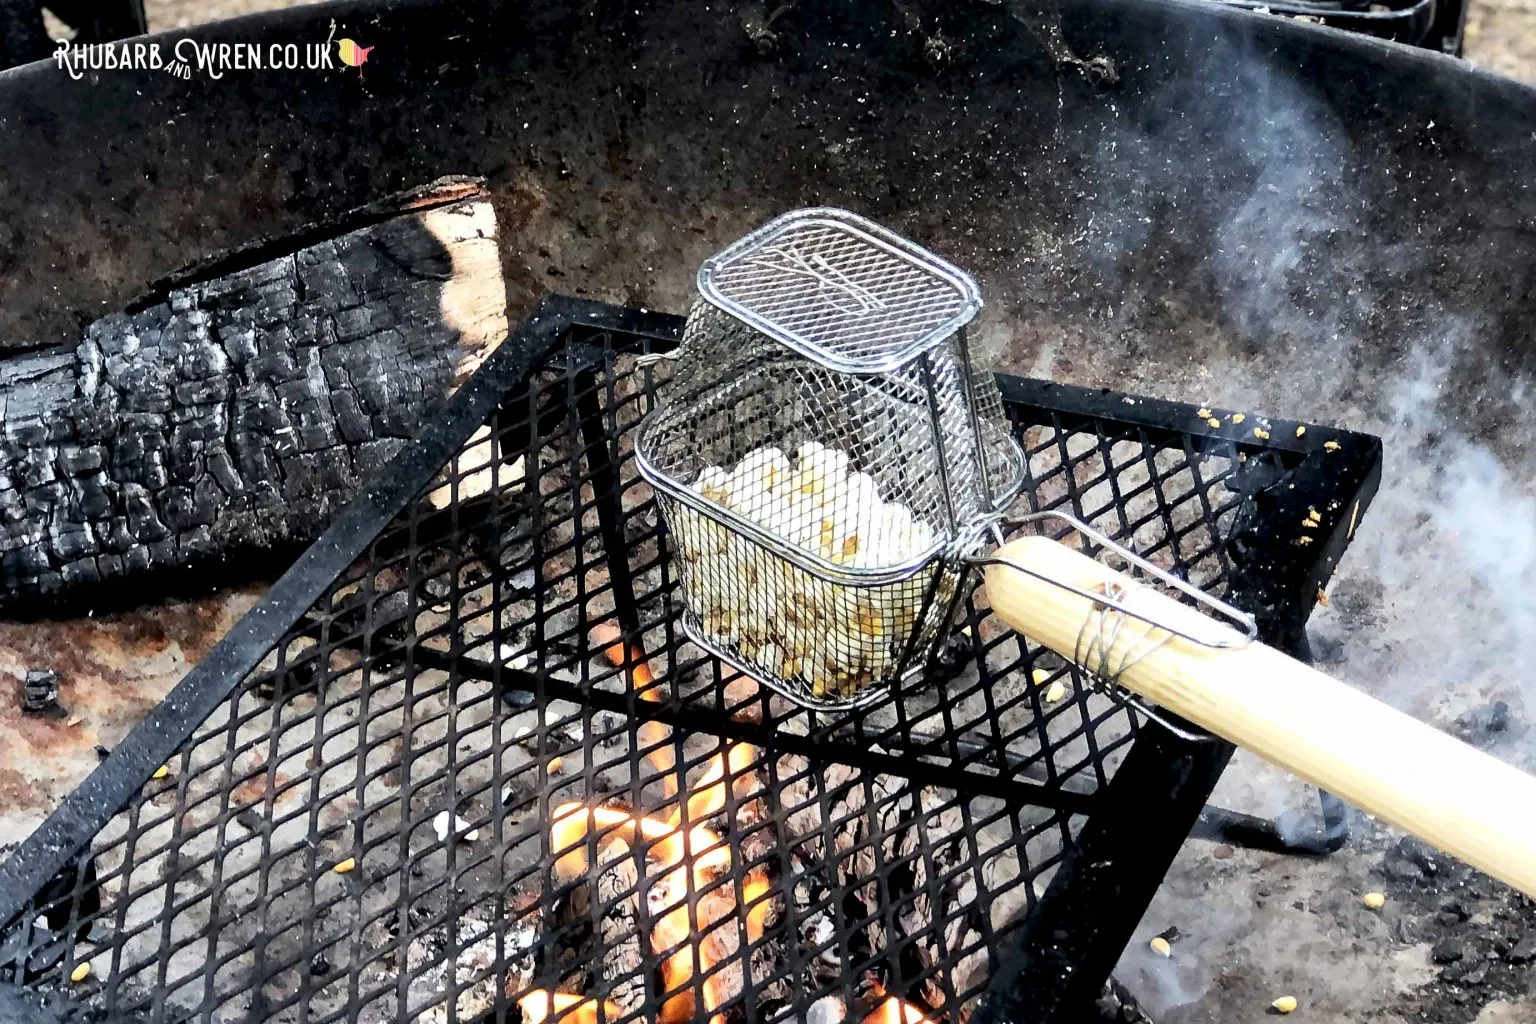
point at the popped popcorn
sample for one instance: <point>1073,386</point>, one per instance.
<point>834,637</point>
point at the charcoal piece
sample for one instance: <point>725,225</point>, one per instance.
<point>136,560</point>
<point>222,469</point>
<point>40,692</point>
<point>77,461</point>
<point>1525,950</point>
<point>240,406</point>
<point>1447,951</point>
<point>93,498</point>
<point>1480,723</point>
<point>518,700</point>
<point>1410,859</point>
<point>118,538</point>
<point>352,424</point>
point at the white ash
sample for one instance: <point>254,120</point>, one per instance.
<point>475,960</point>
<point>817,932</point>
<point>513,657</point>
<point>460,828</point>
<point>827,1010</point>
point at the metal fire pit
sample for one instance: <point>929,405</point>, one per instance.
<point>278,840</point>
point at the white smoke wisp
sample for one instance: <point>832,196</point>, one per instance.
<point>1433,609</point>
<point>1439,605</point>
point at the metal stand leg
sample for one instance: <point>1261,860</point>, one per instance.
<point>1329,835</point>
<point>603,472</point>
<point>1086,917</point>
<point>1320,838</point>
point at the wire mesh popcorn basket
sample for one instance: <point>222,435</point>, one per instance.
<point>826,457</point>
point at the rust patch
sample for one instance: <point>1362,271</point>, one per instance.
<point>112,669</point>
<point>254,789</point>
<point>13,788</point>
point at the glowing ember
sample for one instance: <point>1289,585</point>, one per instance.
<point>702,930</point>
<point>667,845</point>
<point>891,1010</point>
<point>697,923</point>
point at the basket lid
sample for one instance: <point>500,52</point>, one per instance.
<point>840,289</point>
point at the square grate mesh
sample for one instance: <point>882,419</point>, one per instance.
<point>481,765</point>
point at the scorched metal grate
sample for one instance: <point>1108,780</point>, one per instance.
<point>461,763</point>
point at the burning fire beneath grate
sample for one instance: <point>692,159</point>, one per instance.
<point>676,862</point>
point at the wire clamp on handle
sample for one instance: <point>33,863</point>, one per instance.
<point>1101,632</point>
<point>1234,616</point>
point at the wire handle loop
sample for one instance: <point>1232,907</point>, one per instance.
<point>1241,619</point>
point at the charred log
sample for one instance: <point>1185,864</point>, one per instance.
<point>237,413</point>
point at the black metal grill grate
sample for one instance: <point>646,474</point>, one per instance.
<point>360,828</point>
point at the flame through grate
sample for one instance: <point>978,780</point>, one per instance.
<point>483,775</point>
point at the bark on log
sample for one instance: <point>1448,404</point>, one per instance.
<point>237,413</point>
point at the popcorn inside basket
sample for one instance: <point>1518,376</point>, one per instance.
<point>825,456</point>
<point>833,638</point>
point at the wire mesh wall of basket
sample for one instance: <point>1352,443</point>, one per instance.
<point>483,775</point>
<point>827,456</point>
<point>807,548</point>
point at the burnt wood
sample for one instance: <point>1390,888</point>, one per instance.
<point>233,414</point>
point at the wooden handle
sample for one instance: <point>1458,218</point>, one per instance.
<point>1451,795</point>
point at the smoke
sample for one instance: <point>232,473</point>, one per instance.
<point>1438,605</point>
<point>1233,245</point>
<point>1263,254</point>
<point>1491,520</point>
<point>1433,608</point>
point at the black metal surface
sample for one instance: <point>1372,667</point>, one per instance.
<point>1403,21</point>
<point>1068,947</point>
<point>383,682</point>
<point>23,37</point>
<point>1110,190</point>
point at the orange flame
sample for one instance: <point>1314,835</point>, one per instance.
<point>539,1006</point>
<point>689,857</point>
<point>891,1010</point>
<point>673,937</point>
<point>708,796</point>
<point>654,736</point>
<point>667,845</point>
<point>754,893</point>
<point>569,827</point>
